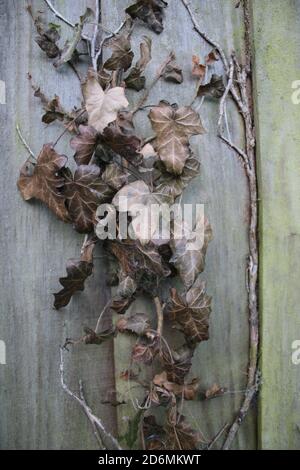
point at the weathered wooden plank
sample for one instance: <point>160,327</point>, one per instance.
<point>222,187</point>
<point>35,413</point>
<point>276,47</point>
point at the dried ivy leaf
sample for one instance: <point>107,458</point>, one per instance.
<point>84,192</point>
<point>124,296</point>
<point>138,194</point>
<point>189,391</point>
<point>125,144</point>
<point>84,144</point>
<point>179,364</point>
<point>47,37</point>
<point>138,323</point>
<point>77,272</point>
<point>53,110</point>
<point>135,259</point>
<point>180,435</point>
<point>146,349</point>
<point>104,77</point>
<point>114,176</point>
<point>212,57</point>
<point>173,73</point>
<point>198,70</point>
<point>102,107</point>
<point>122,54</point>
<point>44,181</point>
<point>135,79</point>
<point>173,185</point>
<point>191,312</point>
<point>214,391</point>
<point>154,434</point>
<point>150,12</point>
<point>215,88</point>
<point>173,127</point>
<point>189,259</point>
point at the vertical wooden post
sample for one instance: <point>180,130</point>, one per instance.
<point>276,27</point>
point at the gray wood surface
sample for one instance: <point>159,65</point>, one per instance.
<point>35,413</point>
<point>35,246</point>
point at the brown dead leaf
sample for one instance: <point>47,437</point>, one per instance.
<point>150,12</point>
<point>122,54</point>
<point>84,192</point>
<point>102,107</point>
<point>198,70</point>
<point>190,312</point>
<point>84,144</point>
<point>43,180</point>
<point>173,127</point>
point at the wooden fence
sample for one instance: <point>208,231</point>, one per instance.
<point>34,411</point>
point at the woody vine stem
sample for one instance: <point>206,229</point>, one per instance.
<point>240,87</point>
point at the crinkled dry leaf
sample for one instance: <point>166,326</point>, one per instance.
<point>191,312</point>
<point>173,127</point>
<point>150,12</point>
<point>212,57</point>
<point>198,70</point>
<point>43,180</point>
<point>189,391</point>
<point>146,349</point>
<point>180,435</point>
<point>137,199</point>
<point>135,78</point>
<point>124,296</point>
<point>214,391</point>
<point>122,54</point>
<point>154,434</point>
<point>173,73</point>
<point>136,259</point>
<point>189,258</point>
<point>179,364</point>
<point>214,88</point>
<point>84,192</point>
<point>173,185</point>
<point>84,144</point>
<point>122,143</point>
<point>138,323</point>
<point>77,272</point>
<point>102,107</point>
<point>47,36</point>
<point>114,176</point>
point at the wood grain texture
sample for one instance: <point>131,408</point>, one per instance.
<point>222,188</point>
<point>276,47</point>
<point>35,413</point>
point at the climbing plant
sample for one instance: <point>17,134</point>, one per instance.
<point>114,171</point>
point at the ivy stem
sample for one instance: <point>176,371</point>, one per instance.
<point>160,317</point>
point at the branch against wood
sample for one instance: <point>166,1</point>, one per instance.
<point>159,313</point>
<point>104,438</point>
<point>95,35</point>
<point>62,18</point>
<point>24,142</point>
<point>158,75</point>
<point>240,90</point>
<point>217,436</point>
<point>111,35</point>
